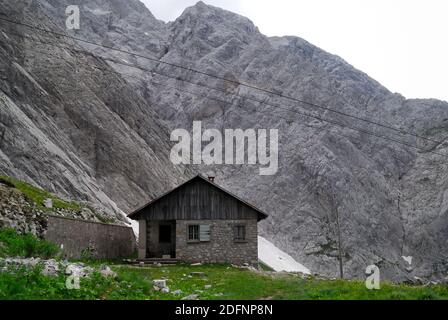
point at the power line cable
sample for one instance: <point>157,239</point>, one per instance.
<point>239,104</point>
<point>239,83</point>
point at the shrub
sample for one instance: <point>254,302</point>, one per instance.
<point>27,245</point>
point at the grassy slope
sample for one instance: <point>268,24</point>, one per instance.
<point>227,283</point>
<point>134,282</point>
<point>37,196</point>
<point>236,283</point>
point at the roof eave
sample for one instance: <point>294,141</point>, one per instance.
<point>261,215</point>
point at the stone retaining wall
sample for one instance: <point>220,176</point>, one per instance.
<point>79,238</point>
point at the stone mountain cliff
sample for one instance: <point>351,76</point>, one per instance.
<point>70,123</point>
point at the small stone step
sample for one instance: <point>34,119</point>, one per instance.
<point>151,261</point>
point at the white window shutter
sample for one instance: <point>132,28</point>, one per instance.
<point>204,232</point>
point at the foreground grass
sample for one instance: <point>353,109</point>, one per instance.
<point>234,283</point>
<point>17,245</point>
<point>226,283</point>
<point>134,282</point>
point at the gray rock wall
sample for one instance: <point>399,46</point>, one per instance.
<point>72,126</point>
<point>221,248</point>
<point>80,238</point>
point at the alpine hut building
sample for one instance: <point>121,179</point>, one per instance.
<point>198,221</point>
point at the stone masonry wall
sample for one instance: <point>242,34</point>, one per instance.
<point>221,248</point>
<point>97,240</point>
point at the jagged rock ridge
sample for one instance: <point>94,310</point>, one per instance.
<point>391,198</point>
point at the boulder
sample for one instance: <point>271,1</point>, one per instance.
<point>160,283</point>
<point>78,269</point>
<point>107,272</point>
<point>51,268</point>
<point>48,203</point>
<point>418,280</point>
<point>165,290</point>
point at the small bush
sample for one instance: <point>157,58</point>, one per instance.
<point>27,245</point>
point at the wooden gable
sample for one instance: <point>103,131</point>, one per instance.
<point>198,199</point>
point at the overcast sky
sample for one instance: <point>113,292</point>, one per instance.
<point>401,43</point>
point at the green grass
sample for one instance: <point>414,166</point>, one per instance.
<point>37,196</point>
<point>233,283</point>
<point>227,282</point>
<point>31,285</point>
<point>264,266</point>
<point>17,245</point>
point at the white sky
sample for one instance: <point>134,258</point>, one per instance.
<point>401,43</point>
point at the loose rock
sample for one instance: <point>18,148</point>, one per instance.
<point>160,283</point>
<point>106,272</point>
<point>51,268</point>
<point>165,290</point>
<point>78,269</point>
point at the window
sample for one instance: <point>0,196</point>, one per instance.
<point>199,232</point>
<point>193,232</point>
<point>164,234</point>
<point>239,233</point>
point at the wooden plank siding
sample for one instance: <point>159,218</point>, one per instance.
<point>198,200</point>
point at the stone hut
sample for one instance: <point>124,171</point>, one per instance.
<point>198,221</point>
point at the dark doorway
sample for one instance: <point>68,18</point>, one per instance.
<point>160,238</point>
<point>164,233</point>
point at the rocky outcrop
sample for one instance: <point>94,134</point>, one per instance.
<point>71,125</point>
<point>53,268</point>
<point>95,135</point>
<point>17,211</point>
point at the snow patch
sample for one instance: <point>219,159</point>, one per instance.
<point>278,260</point>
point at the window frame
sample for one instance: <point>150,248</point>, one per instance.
<point>194,233</point>
<point>198,233</point>
<point>236,237</point>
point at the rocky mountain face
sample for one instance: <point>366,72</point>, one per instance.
<point>71,124</point>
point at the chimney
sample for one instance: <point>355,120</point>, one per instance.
<point>211,179</point>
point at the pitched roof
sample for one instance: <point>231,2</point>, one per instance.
<point>261,214</point>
